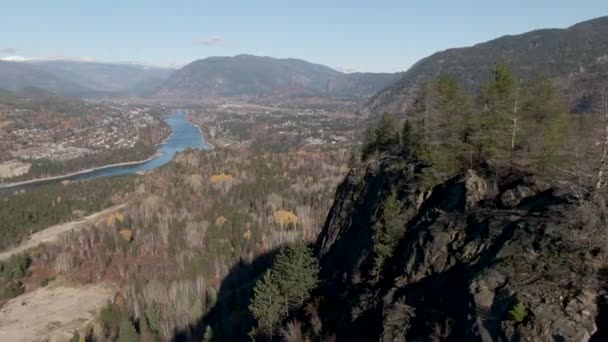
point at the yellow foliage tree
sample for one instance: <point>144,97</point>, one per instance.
<point>126,234</point>
<point>285,217</point>
<point>113,219</point>
<point>222,177</point>
<point>220,220</point>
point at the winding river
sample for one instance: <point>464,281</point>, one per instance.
<point>184,136</point>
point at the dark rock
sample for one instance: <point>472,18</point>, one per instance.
<point>471,251</point>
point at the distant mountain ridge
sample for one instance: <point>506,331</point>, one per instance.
<point>18,75</point>
<point>249,76</point>
<point>576,58</point>
<point>109,77</point>
<point>81,78</point>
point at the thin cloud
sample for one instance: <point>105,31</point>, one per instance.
<point>8,51</point>
<point>214,40</point>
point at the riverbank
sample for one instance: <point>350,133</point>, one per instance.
<point>203,131</point>
<point>77,173</point>
<point>184,134</point>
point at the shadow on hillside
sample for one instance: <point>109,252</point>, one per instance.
<point>230,318</point>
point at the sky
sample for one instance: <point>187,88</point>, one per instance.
<point>373,36</point>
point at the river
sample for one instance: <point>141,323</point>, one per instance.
<point>184,136</point>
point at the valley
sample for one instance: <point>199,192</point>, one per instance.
<point>257,198</point>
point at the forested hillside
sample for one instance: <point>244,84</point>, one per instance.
<point>273,79</point>
<point>574,59</point>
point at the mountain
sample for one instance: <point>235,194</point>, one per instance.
<point>360,84</point>
<point>576,58</point>
<point>81,78</point>
<point>479,258</point>
<point>17,75</point>
<point>250,76</point>
<point>106,77</point>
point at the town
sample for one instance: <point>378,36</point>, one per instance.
<point>280,127</point>
<point>35,134</point>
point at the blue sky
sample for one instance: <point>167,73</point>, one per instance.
<point>351,35</point>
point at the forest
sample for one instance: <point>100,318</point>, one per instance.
<point>29,211</point>
<point>191,237</point>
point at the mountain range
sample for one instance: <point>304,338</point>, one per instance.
<point>81,78</point>
<point>249,76</point>
<point>575,58</point>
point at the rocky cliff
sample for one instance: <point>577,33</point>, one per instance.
<point>482,258</point>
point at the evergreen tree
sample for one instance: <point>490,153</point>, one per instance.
<point>387,231</point>
<point>407,136</point>
<point>152,318</point>
<point>352,159</point>
<point>369,143</point>
<point>494,121</point>
<point>286,285</point>
<point>442,113</point>
<point>387,133</point>
<point>544,124</point>
<point>267,305</point>
<point>297,271</point>
<point>126,332</point>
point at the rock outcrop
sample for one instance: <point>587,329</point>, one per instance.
<point>475,250</point>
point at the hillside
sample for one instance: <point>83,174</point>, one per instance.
<point>17,75</point>
<point>247,76</point>
<point>575,58</point>
<point>81,78</point>
<point>107,77</point>
<point>360,84</point>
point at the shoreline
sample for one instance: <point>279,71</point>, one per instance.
<point>157,153</point>
<point>200,131</point>
<point>76,173</point>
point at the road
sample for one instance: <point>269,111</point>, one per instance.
<point>52,233</point>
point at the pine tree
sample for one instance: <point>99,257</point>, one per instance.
<point>286,285</point>
<point>387,231</point>
<point>407,136</point>
<point>544,124</point>
<point>152,317</point>
<point>494,121</point>
<point>369,143</point>
<point>267,305</point>
<point>126,332</point>
<point>387,133</point>
<point>442,115</point>
<point>297,271</point>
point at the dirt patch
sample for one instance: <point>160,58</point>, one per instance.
<point>13,168</point>
<point>52,312</point>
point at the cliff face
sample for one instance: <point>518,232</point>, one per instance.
<point>473,249</point>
